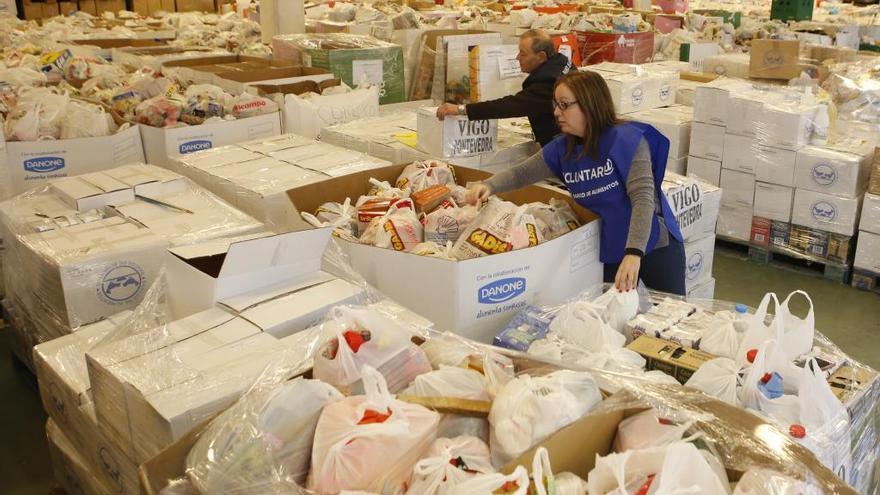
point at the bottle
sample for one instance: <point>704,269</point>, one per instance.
<point>741,318</point>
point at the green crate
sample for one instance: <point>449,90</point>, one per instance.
<point>729,16</point>
<point>791,10</point>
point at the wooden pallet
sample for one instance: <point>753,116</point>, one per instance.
<point>770,255</point>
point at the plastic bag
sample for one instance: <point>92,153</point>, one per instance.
<point>570,484</point>
<point>781,407</point>
<point>646,430</point>
<point>500,227</point>
<point>369,442</point>
<point>86,120</point>
<point>446,224</point>
<point>434,250</point>
<point>516,483</point>
<point>718,378</point>
<point>528,410</point>
<point>759,481</point>
<point>686,470</point>
<point>721,338</point>
<point>359,337</point>
<point>449,462</point>
<point>337,215</point>
<point>797,337</point>
<point>246,105</point>
<point>555,219</point>
<point>204,101</point>
<point>262,440</point>
<point>618,307</point>
<point>398,229</point>
<point>450,381</point>
<point>158,112</point>
<point>418,176</point>
<point>371,207</point>
<point>581,324</point>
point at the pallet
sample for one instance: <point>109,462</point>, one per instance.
<point>770,255</point>
<point>866,280</point>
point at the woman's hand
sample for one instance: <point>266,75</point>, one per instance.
<point>477,193</point>
<point>627,277</point>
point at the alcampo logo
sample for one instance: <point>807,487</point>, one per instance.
<point>824,174</point>
<point>488,243</point>
<point>502,290</point>
<point>121,283</point>
<point>193,146</point>
<point>44,164</point>
<point>396,243</point>
<point>824,211</point>
<point>694,266</point>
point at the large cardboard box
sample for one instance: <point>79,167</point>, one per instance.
<point>637,92</point>
<point>699,256</point>
<point>773,202</point>
<point>69,467</point>
<point>870,221</point>
<point>308,116</point>
<point>739,154</point>
<point>671,358</point>
<point>162,145</point>
<point>826,212</point>
<point>775,165</point>
<point>734,65</point>
<point>711,100</point>
<point>476,296</point>
<point>786,125</point>
<point>842,173</point>
<point>775,59</point>
<point>494,72</point>
<point>455,136</point>
<point>245,81</point>
<point>707,141</point>
<point>738,188</point>
<point>673,122</point>
<point>695,204</point>
<point>707,170</point>
<point>31,164</point>
<point>868,252</point>
<point>735,222</point>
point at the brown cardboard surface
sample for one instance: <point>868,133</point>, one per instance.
<point>195,6</point>
<point>698,76</point>
<point>874,182</point>
<point>194,63</point>
<point>424,75</point>
<point>671,358</point>
<point>449,405</point>
<point>120,43</point>
<point>170,463</point>
<point>775,59</point>
<point>270,73</point>
<point>297,88</point>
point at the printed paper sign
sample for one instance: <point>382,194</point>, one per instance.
<point>509,67</point>
<point>371,70</point>
<point>565,50</point>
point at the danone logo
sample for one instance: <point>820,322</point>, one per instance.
<point>193,146</point>
<point>694,266</point>
<point>824,174</point>
<point>44,164</point>
<point>824,211</point>
<point>502,290</point>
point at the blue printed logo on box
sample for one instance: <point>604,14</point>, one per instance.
<point>824,174</point>
<point>502,290</point>
<point>44,164</point>
<point>121,283</point>
<point>694,266</point>
<point>824,211</point>
<point>193,146</point>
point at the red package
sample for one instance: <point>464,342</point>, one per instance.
<point>377,207</point>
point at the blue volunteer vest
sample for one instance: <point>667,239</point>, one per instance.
<point>600,185</point>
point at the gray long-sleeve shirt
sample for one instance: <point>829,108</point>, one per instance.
<point>639,187</point>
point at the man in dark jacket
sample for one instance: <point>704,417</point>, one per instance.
<point>537,57</point>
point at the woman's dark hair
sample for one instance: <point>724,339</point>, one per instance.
<point>594,98</point>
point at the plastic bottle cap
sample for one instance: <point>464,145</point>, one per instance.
<point>797,431</point>
<point>741,309</point>
<point>751,355</point>
<point>766,378</point>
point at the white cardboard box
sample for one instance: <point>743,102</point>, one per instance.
<point>699,255</point>
<point>497,73</point>
<point>200,275</point>
<point>707,141</point>
<point>638,92</point>
<point>31,164</point>
<point>868,252</point>
<point>833,172</point>
<point>738,188</point>
<point>747,107</point>
<point>695,204</point>
<point>455,136</point>
<point>90,191</point>
<point>733,65</point>
<point>786,126</point>
<point>673,122</point>
<point>68,465</point>
<point>162,145</point>
<point>707,170</point>
<point>703,291</point>
<point>735,222</point>
<point>470,297</point>
<point>677,165</point>
<point>148,180</point>
<point>773,201</point>
<point>774,165</point>
<point>306,117</point>
<point>870,221</point>
<point>711,100</point>
<point>739,154</point>
<point>826,212</point>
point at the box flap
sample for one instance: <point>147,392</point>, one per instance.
<point>301,249</point>
<point>243,302</point>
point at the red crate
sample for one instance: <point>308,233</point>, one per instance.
<point>628,48</point>
<point>569,40</point>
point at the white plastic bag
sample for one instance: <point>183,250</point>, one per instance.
<point>500,227</point>
<point>646,430</point>
<point>555,219</point>
<point>398,229</point>
<point>380,342</point>
<point>757,330</point>
<point>446,224</point>
<point>760,481</point>
<point>450,381</point>
<point>570,484</point>
<point>686,470</point>
<point>418,176</point>
<point>721,338</point>
<point>625,473</point>
<point>85,120</point>
<point>797,337</point>
<point>618,307</point>
<point>581,324</point>
<point>516,483</point>
<point>718,378</point>
<point>528,410</point>
<point>369,442</point>
<point>449,462</point>
<point>784,409</point>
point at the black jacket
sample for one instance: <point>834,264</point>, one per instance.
<point>535,101</point>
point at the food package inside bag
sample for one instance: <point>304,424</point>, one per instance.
<point>446,224</point>
<point>448,462</point>
<point>555,219</point>
<point>246,105</point>
<point>372,207</point>
<point>500,227</point>
<point>369,442</point>
<point>431,198</point>
<point>37,114</point>
<point>398,229</point>
<point>159,112</point>
<point>422,175</point>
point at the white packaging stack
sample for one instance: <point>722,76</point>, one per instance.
<point>831,171</point>
<point>707,170</point>
<point>699,256</point>
<point>674,122</point>
<point>634,89</point>
<point>868,247</point>
<point>773,201</point>
<point>826,212</point>
<point>733,65</point>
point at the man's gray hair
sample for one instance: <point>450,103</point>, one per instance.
<point>541,42</point>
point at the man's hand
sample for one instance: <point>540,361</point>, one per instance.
<point>446,109</point>
<point>477,193</point>
<point>628,273</point>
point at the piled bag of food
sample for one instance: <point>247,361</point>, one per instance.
<point>426,212</point>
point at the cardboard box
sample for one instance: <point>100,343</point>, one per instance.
<point>703,291</point>
<point>195,6</point>
<point>734,65</point>
<point>748,111</point>
<point>761,231</point>
<point>162,145</point>
<point>307,117</point>
<point>874,183</point>
<point>90,191</point>
<point>246,81</point>
<point>455,136</point>
<point>808,241</point>
<point>673,122</point>
<point>68,465</point>
<point>670,358</point>
<point>870,221</point>
<point>494,72</point>
<point>773,202</point>
<point>457,298</point>
<point>629,48</point>
<point>31,164</point>
<point>699,255</point>
<point>695,204</point>
<point>677,166</point>
<point>711,100</point>
<point>739,154</point>
<point>834,172</point>
<point>735,222</point>
<point>775,165</point>
<point>786,125</point>
<point>638,92</point>
<point>868,252</point>
<point>826,212</point>
<point>147,180</point>
<point>707,170</point>
<point>775,59</point>
<point>738,188</point>
<point>707,141</point>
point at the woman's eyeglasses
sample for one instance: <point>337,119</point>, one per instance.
<point>563,105</point>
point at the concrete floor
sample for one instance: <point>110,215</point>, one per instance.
<point>848,317</point>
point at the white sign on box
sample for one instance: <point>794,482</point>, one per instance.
<point>367,70</point>
<point>695,204</point>
<point>508,67</point>
<point>455,136</point>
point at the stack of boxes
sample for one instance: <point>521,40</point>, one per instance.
<point>867,261</point>
<point>675,123</point>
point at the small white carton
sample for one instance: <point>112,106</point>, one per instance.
<point>870,221</point>
<point>739,154</point>
<point>707,141</point>
<point>90,191</point>
<point>148,180</point>
<point>773,201</point>
<point>711,100</point>
<point>843,173</point>
<point>826,212</point>
<point>775,165</point>
<point>787,126</point>
<point>738,188</point>
<point>735,222</point>
<point>702,291</point>
<point>455,136</point>
<point>674,122</point>
<point>707,170</point>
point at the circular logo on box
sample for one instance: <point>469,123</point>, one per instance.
<point>824,174</point>
<point>111,468</point>
<point>773,58</point>
<point>665,92</point>
<point>824,211</point>
<point>121,283</point>
<point>721,70</point>
<point>637,96</point>
<point>694,266</point>
<point>57,403</point>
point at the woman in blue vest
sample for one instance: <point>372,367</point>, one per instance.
<point>613,168</point>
